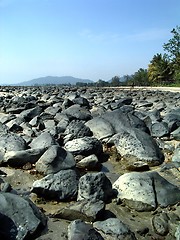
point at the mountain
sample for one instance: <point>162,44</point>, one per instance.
<point>53,80</point>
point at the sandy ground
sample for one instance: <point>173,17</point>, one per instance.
<point>169,89</point>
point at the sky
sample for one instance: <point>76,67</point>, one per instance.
<point>92,39</point>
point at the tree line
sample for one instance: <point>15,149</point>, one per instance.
<point>163,69</point>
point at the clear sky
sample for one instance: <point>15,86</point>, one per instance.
<point>94,39</point>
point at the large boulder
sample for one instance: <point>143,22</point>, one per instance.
<point>114,229</point>
<point>86,210</point>
<point>136,145</point>
<point>95,186</point>
<point>84,146</point>
<point>77,112</point>
<point>101,128</point>
<point>10,141</point>
<point>44,140</point>
<point>122,120</point>
<point>78,229</point>
<point>145,191</point>
<point>76,129</point>
<point>55,159</point>
<point>62,185</point>
<point>20,158</point>
<point>29,114</point>
<point>20,218</point>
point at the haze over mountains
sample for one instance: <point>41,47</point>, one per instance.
<point>53,80</point>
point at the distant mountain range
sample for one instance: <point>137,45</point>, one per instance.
<point>53,80</point>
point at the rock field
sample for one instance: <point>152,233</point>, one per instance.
<point>89,163</point>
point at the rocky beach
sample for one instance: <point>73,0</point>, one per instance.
<point>89,163</point>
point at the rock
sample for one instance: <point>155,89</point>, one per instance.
<point>89,163</point>
<point>177,233</point>
<point>20,219</point>
<point>114,229</point>
<point>160,224</point>
<point>159,129</point>
<point>100,127</point>
<point>55,159</point>
<point>83,102</point>
<point>86,210</point>
<point>95,186</point>
<point>78,112</point>
<point>44,140</point>
<point>20,158</point>
<point>62,185</point>
<point>136,191</point>
<point>84,146</point>
<point>52,110</point>
<point>143,191</point>
<point>67,103</point>
<point>138,167</point>
<point>166,193</point>
<point>78,229</point>
<point>62,121</point>
<point>176,134</point>
<point>176,155</point>
<point>172,118</point>
<point>29,114</point>
<point>137,145</point>
<point>76,129</point>
<point>123,121</point>
<point>10,142</point>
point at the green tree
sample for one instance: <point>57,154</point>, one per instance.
<point>172,49</point>
<point>140,78</point>
<point>159,70</point>
<point>115,81</point>
<point>102,83</point>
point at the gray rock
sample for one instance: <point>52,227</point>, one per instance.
<point>176,155</point>
<point>55,159</point>
<point>177,233</point>
<point>83,102</point>
<point>84,146</point>
<point>44,140</point>
<point>120,120</point>
<point>166,192</point>
<point>20,219</point>
<point>136,190</point>
<point>52,110</point>
<point>172,118</point>
<point>62,121</point>
<point>95,186</point>
<point>159,129</point>
<point>143,191</point>
<point>29,114</point>
<point>78,229</point>
<point>20,158</point>
<point>49,124</point>
<point>78,112</point>
<point>114,229</point>
<point>137,145</point>
<point>89,163</point>
<point>160,224</point>
<point>86,210</point>
<point>138,167</point>
<point>62,185</point>
<point>101,128</point>
<point>10,142</point>
<point>76,129</point>
<point>176,134</point>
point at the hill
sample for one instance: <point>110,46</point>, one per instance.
<point>53,80</point>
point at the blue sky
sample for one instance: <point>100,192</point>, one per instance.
<point>94,39</point>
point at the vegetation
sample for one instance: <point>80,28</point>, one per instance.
<point>163,69</point>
